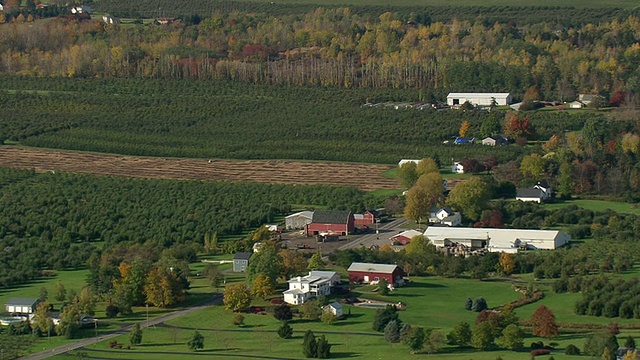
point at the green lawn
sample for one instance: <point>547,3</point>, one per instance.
<point>598,205</point>
<point>431,302</point>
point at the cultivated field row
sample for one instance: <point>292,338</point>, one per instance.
<point>367,177</point>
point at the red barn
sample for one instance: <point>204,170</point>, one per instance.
<point>368,272</point>
<point>328,222</point>
<point>366,219</point>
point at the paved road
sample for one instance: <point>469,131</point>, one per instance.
<point>386,231</point>
<point>88,341</point>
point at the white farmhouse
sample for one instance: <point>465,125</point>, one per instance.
<point>482,99</point>
<point>303,288</point>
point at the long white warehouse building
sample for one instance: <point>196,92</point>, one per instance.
<point>483,99</point>
<point>497,240</point>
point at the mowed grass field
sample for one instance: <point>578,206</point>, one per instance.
<point>625,4</point>
<point>431,302</point>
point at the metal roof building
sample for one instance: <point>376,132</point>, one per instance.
<point>483,99</point>
<point>497,240</point>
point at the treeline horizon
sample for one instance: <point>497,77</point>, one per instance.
<point>339,48</point>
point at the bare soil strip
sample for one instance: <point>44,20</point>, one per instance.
<point>367,177</point>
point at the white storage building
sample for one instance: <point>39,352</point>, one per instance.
<point>497,240</point>
<point>483,99</point>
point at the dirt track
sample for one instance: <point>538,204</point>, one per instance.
<point>364,176</point>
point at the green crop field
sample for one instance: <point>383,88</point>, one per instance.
<point>598,205</point>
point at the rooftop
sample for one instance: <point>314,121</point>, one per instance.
<point>371,267</point>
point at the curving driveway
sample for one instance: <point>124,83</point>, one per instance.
<point>125,330</point>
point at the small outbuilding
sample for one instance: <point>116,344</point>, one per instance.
<point>335,308</point>
<point>366,219</point>
<point>494,140</point>
<point>457,168</point>
<point>241,261</point>
<point>404,237</point>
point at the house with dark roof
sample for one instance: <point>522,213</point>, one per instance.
<point>538,193</point>
<point>21,306</point>
<point>330,222</point>
<point>241,261</point>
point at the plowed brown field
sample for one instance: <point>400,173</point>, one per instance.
<point>363,176</point>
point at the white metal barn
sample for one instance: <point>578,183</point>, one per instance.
<point>497,240</point>
<point>483,99</point>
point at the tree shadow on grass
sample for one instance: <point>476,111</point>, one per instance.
<point>245,326</point>
<point>427,285</point>
<point>155,344</point>
<point>347,323</point>
<point>344,355</point>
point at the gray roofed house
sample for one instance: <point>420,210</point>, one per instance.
<point>537,193</point>
<point>241,261</point>
<point>21,305</point>
<point>588,98</point>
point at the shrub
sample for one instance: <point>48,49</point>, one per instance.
<point>285,331</point>
<point>537,345</point>
<point>111,311</point>
<point>538,352</point>
<point>479,304</point>
<point>276,301</point>
<point>238,320</point>
<point>468,304</point>
<point>572,350</point>
<point>283,312</point>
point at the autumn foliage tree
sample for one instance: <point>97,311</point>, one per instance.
<point>427,192</point>
<point>543,323</point>
<point>236,297</point>
<point>464,128</point>
<point>507,263</point>
<point>262,287</point>
<point>516,127</point>
<point>163,287</point>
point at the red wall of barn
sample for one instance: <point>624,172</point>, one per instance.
<point>358,276</point>
<point>367,219</point>
<point>339,228</point>
<point>315,227</point>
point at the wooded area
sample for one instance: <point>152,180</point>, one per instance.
<point>341,48</point>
